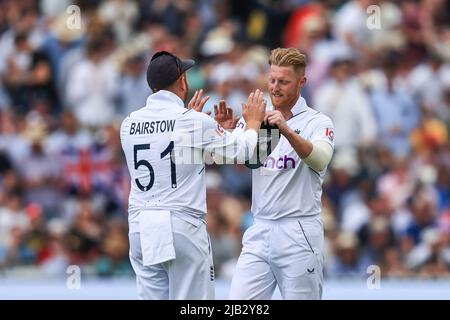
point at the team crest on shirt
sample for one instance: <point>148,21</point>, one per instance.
<point>330,134</point>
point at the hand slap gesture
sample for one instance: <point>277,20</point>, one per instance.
<point>255,108</point>
<point>223,114</point>
<point>197,103</point>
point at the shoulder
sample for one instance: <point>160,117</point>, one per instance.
<point>136,114</point>
<point>133,116</point>
<point>321,127</point>
<point>124,126</point>
<point>322,118</point>
<point>317,118</point>
<point>191,114</point>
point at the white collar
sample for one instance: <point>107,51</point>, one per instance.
<point>299,106</point>
<point>164,95</point>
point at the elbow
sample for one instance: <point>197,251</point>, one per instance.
<point>320,156</point>
<point>316,166</point>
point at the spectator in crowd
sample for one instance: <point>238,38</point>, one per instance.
<point>345,102</point>
<point>134,89</point>
<point>396,112</point>
<point>92,84</point>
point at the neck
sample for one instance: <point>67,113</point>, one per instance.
<point>177,92</point>
<point>285,111</point>
<point>180,95</point>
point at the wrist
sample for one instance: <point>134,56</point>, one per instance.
<point>254,124</point>
<point>286,131</point>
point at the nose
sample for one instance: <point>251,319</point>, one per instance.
<point>275,86</point>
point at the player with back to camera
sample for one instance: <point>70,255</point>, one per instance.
<point>170,250</point>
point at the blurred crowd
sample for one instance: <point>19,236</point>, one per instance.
<point>379,69</point>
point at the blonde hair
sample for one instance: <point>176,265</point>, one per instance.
<point>285,57</point>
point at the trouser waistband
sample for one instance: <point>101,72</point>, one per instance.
<point>286,219</point>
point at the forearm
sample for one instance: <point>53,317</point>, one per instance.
<point>239,148</point>
<point>302,146</point>
<point>317,155</point>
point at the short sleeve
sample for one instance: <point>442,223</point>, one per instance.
<point>323,131</point>
<point>206,134</point>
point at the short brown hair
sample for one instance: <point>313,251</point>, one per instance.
<point>285,57</point>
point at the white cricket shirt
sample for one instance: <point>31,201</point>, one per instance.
<point>285,186</point>
<point>163,130</point>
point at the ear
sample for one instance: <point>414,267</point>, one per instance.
<point>183,82</point>
<point>302,81</point>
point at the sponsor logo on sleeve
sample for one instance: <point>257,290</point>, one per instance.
<point>329,133</point>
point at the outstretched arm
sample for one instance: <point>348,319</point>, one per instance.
<point>253,112</point>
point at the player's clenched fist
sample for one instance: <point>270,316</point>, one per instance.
<point>254,110</point>
<point>275,118</point>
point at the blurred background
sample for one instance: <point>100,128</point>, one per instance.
<point>68,77</point>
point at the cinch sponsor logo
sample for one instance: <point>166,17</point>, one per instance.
<point>280,163</point>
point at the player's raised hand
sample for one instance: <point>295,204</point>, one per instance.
<point>198,102</point>
<point>223,114</point>
<point>255,109</point>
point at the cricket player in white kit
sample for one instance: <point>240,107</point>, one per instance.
<point>163,143</point>
<point>284,245</point>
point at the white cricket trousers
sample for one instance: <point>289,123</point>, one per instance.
<point>286,252</point>
<point>189,276</point>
